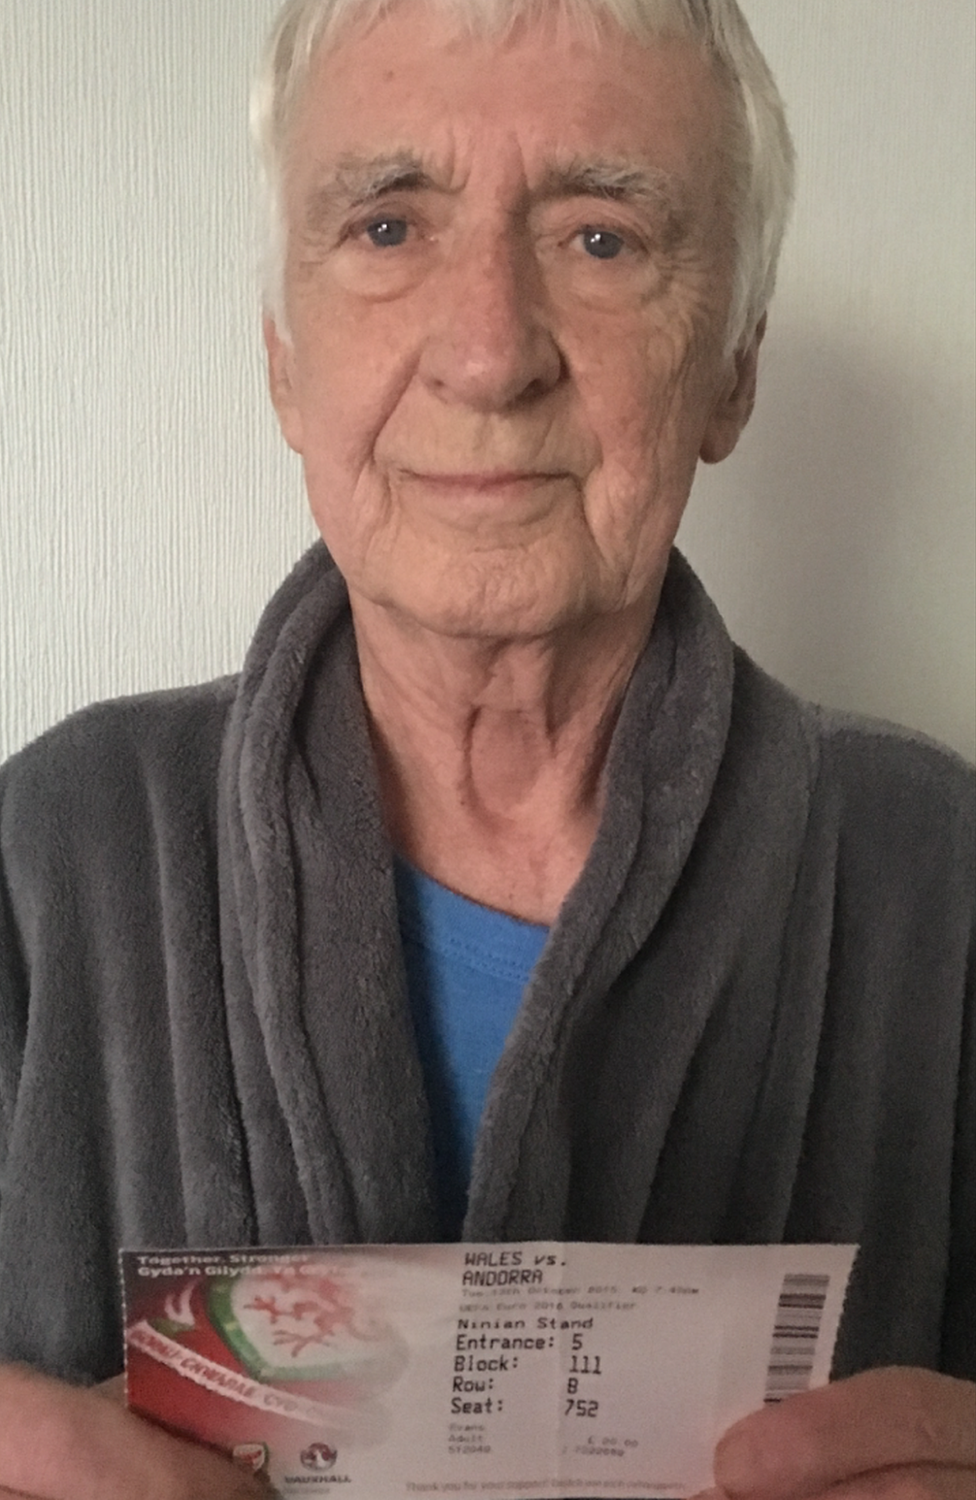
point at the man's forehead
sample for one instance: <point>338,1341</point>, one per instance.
<point>602,99</point>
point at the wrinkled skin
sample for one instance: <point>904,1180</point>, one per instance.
<point>508,287</point>
<point>477,335</point>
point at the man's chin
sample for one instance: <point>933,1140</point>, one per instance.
<point>497,612</point>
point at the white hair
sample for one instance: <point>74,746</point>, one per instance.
<point>760,150</point>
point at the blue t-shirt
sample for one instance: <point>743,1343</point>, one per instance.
<point>467,968</point>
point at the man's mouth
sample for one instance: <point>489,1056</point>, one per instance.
<point>488,479</point>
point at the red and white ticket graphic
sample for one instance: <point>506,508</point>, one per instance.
<point>538,1370</point>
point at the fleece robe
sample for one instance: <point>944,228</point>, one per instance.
<point>749,1022</point>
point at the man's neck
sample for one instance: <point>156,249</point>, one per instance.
<point>490,753</point>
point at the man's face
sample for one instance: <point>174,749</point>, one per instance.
<point>507,286</point>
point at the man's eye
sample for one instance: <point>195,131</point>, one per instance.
<point>386,234</point>
<point>602,244</point>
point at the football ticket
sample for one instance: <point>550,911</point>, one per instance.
<point>536,1371</point>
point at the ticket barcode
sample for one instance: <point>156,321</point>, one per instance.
<point>799,1313</point>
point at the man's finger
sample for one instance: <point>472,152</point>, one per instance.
<point>61,1443</point>
<point>880,1419</point>
<point>914,1483</point>
<point>114,1389</point>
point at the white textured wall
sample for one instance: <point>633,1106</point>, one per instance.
<point>840,540</point>
<point>148,507</point>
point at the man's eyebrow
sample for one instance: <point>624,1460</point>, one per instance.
<point>354,181</point>
<point>622,182</point>
<point>357,180</point>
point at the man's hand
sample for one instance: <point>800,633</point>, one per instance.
<point>895,1434</point>
<point>60,1443</point>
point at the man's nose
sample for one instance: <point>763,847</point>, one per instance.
<point>489,344</point>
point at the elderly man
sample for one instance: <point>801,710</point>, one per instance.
<point>709,983</point>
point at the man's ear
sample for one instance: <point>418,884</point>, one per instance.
<point>281,381</point>
<point>733,407</point>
